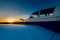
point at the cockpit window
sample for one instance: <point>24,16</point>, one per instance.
<point>46,12</point>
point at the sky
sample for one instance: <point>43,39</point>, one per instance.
<point>23,8</point>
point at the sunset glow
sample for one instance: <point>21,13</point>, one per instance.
<point>11,20</point>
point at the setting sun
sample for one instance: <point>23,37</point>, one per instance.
<point>11,20</point>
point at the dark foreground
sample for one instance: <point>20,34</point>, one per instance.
<point>51,25</point>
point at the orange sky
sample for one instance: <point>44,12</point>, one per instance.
<point>13,19</point>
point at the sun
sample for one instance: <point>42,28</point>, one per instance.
<point>10,20</point>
